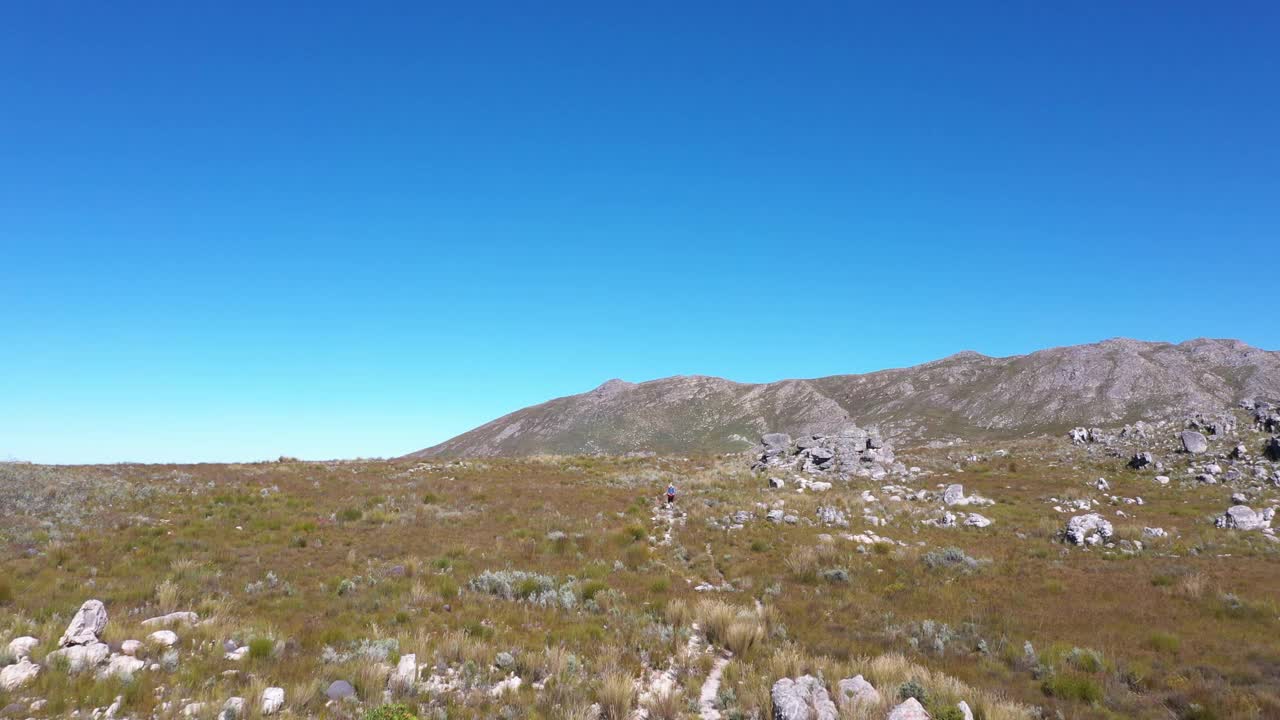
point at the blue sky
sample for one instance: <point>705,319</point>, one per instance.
<point>230,232</point>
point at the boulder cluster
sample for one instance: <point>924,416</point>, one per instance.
<point>806,698</point>
<point>850,451</point>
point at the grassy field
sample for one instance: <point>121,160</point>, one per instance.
<point>562,572</point>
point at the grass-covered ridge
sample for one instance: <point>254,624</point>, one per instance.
<point>559,571</point>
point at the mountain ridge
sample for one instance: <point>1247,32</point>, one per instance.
<point>966,394</point>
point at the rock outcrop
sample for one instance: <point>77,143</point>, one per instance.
<point>803,698</point>
<point>89,622</point>
<point>1090,529</point>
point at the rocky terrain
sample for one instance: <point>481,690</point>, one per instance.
<point>963,396</point>
<point>1107,570</point>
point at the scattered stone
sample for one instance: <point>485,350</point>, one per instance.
<point>1142,460</point>
<point>512,683</point>
<point>122,667</point>
<point>89,622</point>
<point>909,710</point>
<point>406,673</point>
<point>1103,485</point>
<point>232,709</point>
<point>1193,442</point>
<point>1089,529</point>
<point>855,690</point>
<point>777,482</point>
<point>1162,479</point>
<point>828,515</point>
<point>272,700</point>
<point>953,495</point>
<point>19,675</point>
<point>174,618</point>
<point>774,516</point>
<point>1154,532</point>
<point>21,647</point>
<point>130,647</point>
<point>82,657</point>
<point>1243,517</point>
<point>238,654</point>
<point>1206,479</point>
<point>976,520</point>
<point>163,638</point>
<point>339,690</point>
<point>803,698</point>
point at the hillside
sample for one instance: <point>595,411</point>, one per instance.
<point>965,395</point>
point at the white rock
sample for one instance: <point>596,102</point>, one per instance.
<point>14,677</point>
<point>406,673</point>
<point>272,700</point>
<point>122,667</point>
<point>82,657</point>
<point>130,647</point>
<point>174,618</point>
<point>89,622</point>
<point>1243,517</point>
<point>191,710</point>
<point>1162,479</point>
<point>1088,529</point>
<point>510,684</point>
<point>976,520</point>
<point>909,710</point>
<point>232,709</point>
<point>22,647</point>
<point>164,638</point>
<point>854,690</point>
<point>238,654</point>
<point>965,710</point>
<point>1154,532</point>
<point>803,698</point>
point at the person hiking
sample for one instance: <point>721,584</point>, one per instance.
<point>671,494</point>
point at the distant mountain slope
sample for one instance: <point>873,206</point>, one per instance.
<point>966,395</point>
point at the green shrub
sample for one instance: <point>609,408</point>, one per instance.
<point>390,712</point>
<point>1164,642</point>
<point>350,515</point>
<point>590,588</point>
<point>1072,687</point>
<point>6,593</point>
<point>430,498</point>
<point>261,648</point>
<point>913,689</point>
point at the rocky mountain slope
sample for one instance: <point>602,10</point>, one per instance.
<point>966,395</point>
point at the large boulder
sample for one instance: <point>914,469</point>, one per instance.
<point>89,622</point>
<point>803,698</point>
<point>855,690</point>
<point>82,657</point>
<point>954,494</point>
<point>1243,517</point>
<point>19,675</point>
<point>1193,442</point>
<point>909,710</point>
<point>1089,529</point>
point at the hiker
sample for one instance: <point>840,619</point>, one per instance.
<point>671,494</point>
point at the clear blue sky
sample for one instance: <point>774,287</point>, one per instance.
<point>230,232</point>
